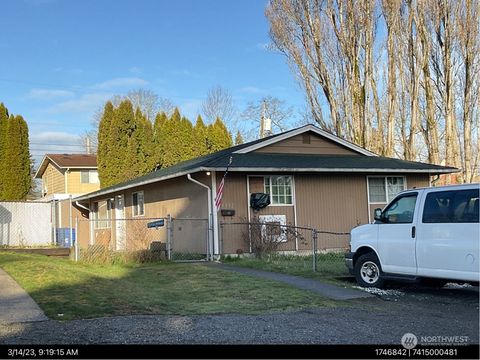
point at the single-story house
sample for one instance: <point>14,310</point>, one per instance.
<point>313,179</point>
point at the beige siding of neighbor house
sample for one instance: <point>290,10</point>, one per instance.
<point>75,185</point>
<point>53,180</point>
<point>307,144</point>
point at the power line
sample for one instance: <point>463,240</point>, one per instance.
<point>52,144</point>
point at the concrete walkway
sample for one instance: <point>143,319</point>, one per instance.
<point>327,290</point>
<point>16,306</point>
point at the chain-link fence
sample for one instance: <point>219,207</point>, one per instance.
<point>141,239</point>
<point>287,247</point>
<point>26,224</point>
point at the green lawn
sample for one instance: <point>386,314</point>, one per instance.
<point>78,290</point>
<point>330,266</point>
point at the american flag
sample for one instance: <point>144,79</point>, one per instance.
<point>218,198</point>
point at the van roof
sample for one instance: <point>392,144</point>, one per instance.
<point>447,187</point>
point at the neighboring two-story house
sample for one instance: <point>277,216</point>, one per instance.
<point>68,174</point>
<point>65,176</point>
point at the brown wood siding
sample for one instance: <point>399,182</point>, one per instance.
<point>53,180</point>
<point>318,145</point>
<point>234,238</point>
<point>330,202</point>
<point>178,197</point>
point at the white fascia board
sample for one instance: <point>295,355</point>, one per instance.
<point>40,167</point>
<point>302,130</point>
<point>373,170</point>
<point>129,186</point>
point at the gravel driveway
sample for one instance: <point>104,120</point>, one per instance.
<point>382,319</point>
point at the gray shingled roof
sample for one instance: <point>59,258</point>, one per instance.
<point>279,163</point>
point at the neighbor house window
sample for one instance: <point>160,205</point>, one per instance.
<point>138,203</point>
<point>102,214</point>
<point>280,189</point>
<point>385,188</point>
<point>89,177</point>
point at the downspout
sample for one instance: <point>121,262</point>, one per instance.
<point>211,246</point>
<point>434,181</point>
<point>66,180</point>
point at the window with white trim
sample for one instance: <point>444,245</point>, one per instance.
<point>89,177</point>
<point>385,188</point>
<point>138,203</point>
<point>280,189</point>
<point>102,211</point>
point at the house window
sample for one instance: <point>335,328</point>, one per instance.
<point>102,211</point>
<point>280,189</point>
<point>138,203</point>
<point>89,177</point>
<point>383,189</point>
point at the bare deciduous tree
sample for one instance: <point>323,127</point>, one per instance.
<point>219,103</point>
<point>410,92</point>
<point>272,108</point>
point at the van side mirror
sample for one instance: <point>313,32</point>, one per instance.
<point>378,215</point>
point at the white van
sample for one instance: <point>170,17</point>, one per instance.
<point>429,234</point>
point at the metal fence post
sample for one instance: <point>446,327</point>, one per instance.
<point>314,249</point>
<point>76,239</point>
<point>169,236</point>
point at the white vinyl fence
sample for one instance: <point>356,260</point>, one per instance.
<point>25,223</point>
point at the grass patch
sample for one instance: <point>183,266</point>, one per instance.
<point>79,290</point>
<point>330,266</point>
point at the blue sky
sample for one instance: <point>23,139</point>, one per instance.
<point>61,60</point>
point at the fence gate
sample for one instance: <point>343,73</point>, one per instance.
<point>189,239</point>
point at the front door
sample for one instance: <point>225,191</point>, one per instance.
<point>120,225</point>
<point>397,236</point>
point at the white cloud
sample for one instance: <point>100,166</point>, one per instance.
<point>53,137</point>
<point>85,103</point>
<point>135,70</point>
<point>253,90</point>
<point>120,83</point>
<point>49,94</point>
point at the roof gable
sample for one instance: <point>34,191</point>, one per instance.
<point>343,146</point>
<point>62,161</point>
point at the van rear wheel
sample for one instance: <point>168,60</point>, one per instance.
<point>368,271</point>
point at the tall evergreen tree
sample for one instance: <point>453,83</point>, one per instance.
<point>3,137</point>
<point>16,160</point>
<point>185,144</point>
<point>200,138</point>
<point>104,145</point>
<point>238,138</point>
<point>218,136</point>
<point>159,127</point>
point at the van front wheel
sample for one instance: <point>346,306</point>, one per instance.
<point>368,272</point>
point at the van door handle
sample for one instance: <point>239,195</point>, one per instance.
<point>413,232</point>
